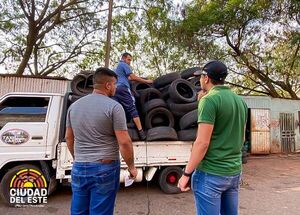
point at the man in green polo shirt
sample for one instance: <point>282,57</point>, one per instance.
<point>216,157</point>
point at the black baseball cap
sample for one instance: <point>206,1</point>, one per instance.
<point>214,69</point>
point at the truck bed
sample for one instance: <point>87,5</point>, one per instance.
<point>147,154</point>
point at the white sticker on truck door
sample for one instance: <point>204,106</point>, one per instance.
<point>15,136</point>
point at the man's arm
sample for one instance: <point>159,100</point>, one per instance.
<point>133,77</point>
<point>199,150</point>
<point>70,140</point>
<point>126,150</point>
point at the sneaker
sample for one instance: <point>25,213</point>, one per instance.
<point>142,134</point>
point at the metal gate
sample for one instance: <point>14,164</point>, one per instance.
<point>287,132</point>
<point>260,131</point>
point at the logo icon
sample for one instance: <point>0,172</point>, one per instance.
<point>28,186</point>
<point>15,136</point>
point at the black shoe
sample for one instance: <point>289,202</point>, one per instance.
<point>142,134</point>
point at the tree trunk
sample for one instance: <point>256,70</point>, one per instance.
<point>108,38</point>
<point>31,39</point>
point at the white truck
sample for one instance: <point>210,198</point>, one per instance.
<point>33,151</point>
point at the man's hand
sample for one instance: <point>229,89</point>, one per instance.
<point>201,93</point>
<point>149,81</point>
<point>183,183</point>
<point>133,172</point>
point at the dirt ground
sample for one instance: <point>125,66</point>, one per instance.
<point>271,185</point>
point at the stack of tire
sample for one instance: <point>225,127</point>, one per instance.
<point>167,108</point>
<point>82,84</point>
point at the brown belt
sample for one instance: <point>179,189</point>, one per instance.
<point>105,161</point>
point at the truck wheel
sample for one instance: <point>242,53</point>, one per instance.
<point>168,179</point>
<point>22,176</point>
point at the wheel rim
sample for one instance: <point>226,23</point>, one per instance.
<point>172,178</point>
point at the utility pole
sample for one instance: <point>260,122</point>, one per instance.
<point>108,35</point>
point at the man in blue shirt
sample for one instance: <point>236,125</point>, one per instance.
<point>123,94</point>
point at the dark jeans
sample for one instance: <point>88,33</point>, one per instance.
<point>94,187</point>
<point>215,194</point>
<point>125,98</point>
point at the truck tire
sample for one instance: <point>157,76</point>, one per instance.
<point>182,91</point>
<point>189,120</point>
<point>136,87</point>
<point>35,179</point>
<point>168,179</point>
<point>154,103</point>
<point>82,84</point>
<point>187,135</point>
<point>196,83</point>
<point>164,80</point>
<point>159,117</point>
<point>181,109</point>
<point>149,94</point>
<point>187,73</point>
<point>165,92</point>
<point>133,134</point>
<point>74,98</point>
<point>161,133</point>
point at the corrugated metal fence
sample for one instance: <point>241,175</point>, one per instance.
<point>10,83</point>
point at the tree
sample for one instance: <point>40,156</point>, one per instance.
<point>259,39</point>
<point>43,35</point>
<point>145,28</point>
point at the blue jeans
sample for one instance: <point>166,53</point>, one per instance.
<point>215,194</point>
<point>94,187</point>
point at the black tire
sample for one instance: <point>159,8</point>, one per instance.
<point>8,177</point>
<point>159,117</point>
<point>189,120</point>
<point>165,92</point>
<point>136,87</point>
<point>149,94</point>
<point>133,134</point>
<point>181,109</point>
<point>82,84</point>
<point>74,98</point>
<point>168,179</point>
<point>164,80</point>
<point>187,73</point>
<point>87,73</point>
<point>182,91</point>
<point>161,133</point>
<point>187,135</point>
<point>154,103</point>
<point>196,83</point>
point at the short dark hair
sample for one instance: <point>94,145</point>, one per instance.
<point>102,73</point>
<point>215,82</point>
<point>125,54</point>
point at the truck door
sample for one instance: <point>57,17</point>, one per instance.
<point>23,127</point>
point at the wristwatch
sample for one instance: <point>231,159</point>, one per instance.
<point>186,174</point>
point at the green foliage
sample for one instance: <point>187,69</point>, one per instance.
<point>258,39</point>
